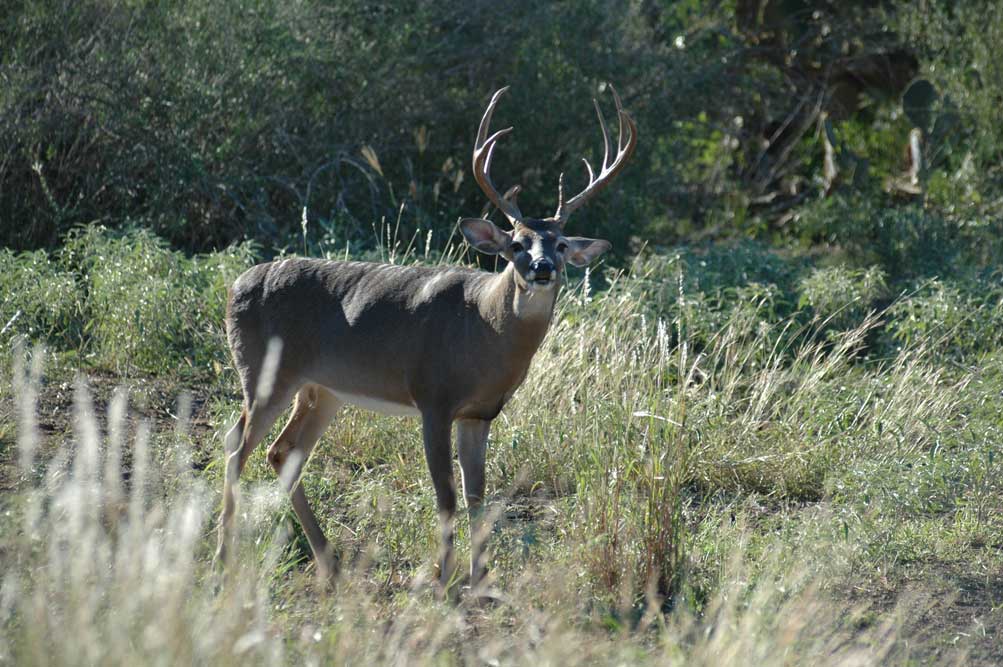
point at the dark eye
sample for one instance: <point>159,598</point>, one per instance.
<point>562,246</point>
<point>516,247</point>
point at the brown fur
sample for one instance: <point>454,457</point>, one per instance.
<point>452,343</point>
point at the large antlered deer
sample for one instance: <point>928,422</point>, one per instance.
<point>445,344</point>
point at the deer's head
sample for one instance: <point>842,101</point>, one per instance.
<point>537,247</point>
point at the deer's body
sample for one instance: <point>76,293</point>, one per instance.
<point>448,345</point>
<point>336,311</point>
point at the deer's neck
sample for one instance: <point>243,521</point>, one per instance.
<point>520,314</point>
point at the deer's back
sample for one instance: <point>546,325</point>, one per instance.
<point>380,332</point>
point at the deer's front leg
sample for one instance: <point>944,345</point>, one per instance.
<point>436,433</point>
<point>471,445</point>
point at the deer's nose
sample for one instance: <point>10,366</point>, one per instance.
<point>542,268</point>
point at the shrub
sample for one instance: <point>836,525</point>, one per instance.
<point>40,300</point>
<point>151,308</point>
<point>955,318</point>
<point>842,297</point>
<point>215,121</point>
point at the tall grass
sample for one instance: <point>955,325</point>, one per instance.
<point>109,563</point>
<point>690,472</point>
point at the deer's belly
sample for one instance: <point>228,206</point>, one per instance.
<point>379,405</point>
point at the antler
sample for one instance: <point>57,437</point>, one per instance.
<point>483,149</point>
<point>608,171</point>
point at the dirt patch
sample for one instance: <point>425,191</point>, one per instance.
<point>154,400</point>
<point>957,619</point>
<point>944,617</point>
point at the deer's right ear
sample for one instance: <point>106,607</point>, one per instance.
<point>484,235</point>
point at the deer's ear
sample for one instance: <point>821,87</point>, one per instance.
<point>582,251</point>
<point>484,235</point>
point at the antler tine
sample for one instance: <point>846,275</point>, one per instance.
<point>605,134</point>
<point>560,194</point>
<point>625,145</point>
<point>484,148</point>
<point>513,193</point>
<point>482,129</point>
<point>620,114</point>
<point>491,152</point>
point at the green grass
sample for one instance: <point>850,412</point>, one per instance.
<point>721,456</point>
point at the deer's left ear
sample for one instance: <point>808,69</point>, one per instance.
<point>582,251</point>
<point>484,235</point>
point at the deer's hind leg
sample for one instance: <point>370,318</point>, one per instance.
<point>313,410</point>
<point>252,426</point>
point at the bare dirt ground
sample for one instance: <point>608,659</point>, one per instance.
<point>150,399</point>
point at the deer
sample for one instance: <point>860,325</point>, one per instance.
<point>449,345</point>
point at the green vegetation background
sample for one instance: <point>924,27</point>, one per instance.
<point>795,347</point>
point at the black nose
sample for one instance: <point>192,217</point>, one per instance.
<point>542,268</point>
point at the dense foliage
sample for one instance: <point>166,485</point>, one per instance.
<point>213,122</point>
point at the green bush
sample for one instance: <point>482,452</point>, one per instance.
<point>706,288</point>
<point>212,122</point>
<point>842,297</point>
<point>954,318</point>
<point>151,308</point>
<point>906,242</point>
<point>957,42</point>
<point>39,300</point>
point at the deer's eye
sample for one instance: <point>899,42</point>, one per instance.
<point>516,247</point>
<point>562,247</point>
